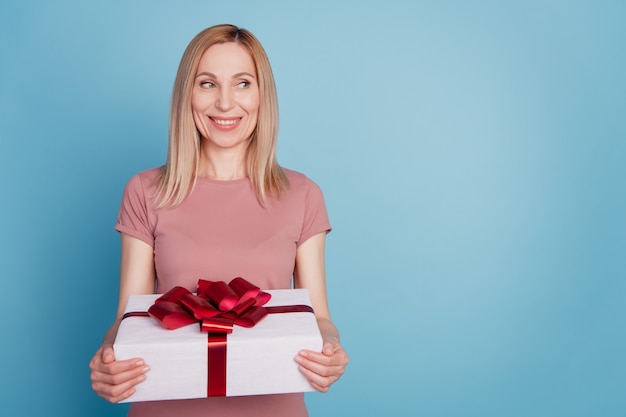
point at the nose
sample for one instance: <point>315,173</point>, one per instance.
<point>224,100</point>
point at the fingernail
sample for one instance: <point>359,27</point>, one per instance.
<point>298,359</point>
<point>303,353</point>
<point>139,363</point>
<point>141,378</point>
<point>145,369</point>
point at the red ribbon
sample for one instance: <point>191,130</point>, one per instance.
<point>216,365</point>
<point>217,307</point>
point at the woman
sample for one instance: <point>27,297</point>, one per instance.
<point>222,207</point>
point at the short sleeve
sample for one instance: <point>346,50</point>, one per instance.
<point>133,217</point>
<point>315,213</point>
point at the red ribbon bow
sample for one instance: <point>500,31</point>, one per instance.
<point>217,306</point>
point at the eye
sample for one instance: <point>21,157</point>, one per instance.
<point>244,84</point>
<point>206,84</point>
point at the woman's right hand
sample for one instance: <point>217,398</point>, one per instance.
<point>115,380</point>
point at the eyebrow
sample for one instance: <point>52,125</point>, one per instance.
<point>238,75</point>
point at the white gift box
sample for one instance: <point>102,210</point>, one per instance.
<point>260,360</point>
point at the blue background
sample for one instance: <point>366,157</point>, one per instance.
<point>472,156</point>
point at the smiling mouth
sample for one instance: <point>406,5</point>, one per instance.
<point>225,122</point>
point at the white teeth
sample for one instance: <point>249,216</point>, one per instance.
<point>228,122</point>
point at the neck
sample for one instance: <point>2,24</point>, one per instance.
<point>225,164</point>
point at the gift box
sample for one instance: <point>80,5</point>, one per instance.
<point>186,363</point>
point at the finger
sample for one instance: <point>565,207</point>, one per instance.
<point>107,354</point>
<point>337,355</point>
<point>337,358</point>
<point>319,364</point>
<point>329,348</point>
<point>317,381</point>
<point>119,392</point>
<point>104,361</point>
<point>115,387</point>
<point>319,387</point>
<point>119,372</point>
<point>317,357</point>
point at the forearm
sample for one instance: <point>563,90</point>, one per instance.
<point>328,330</point>
<point>137,276</point>
<point>109,336</point>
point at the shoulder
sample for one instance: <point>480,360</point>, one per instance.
<point>142,185</point>
<point>144,179</point>
<point>149,175</point>
<point>303,188</point>
<point>298,180</point>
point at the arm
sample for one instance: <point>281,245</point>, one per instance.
<point>115,380</point>
<point>321,368</point>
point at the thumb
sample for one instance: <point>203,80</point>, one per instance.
<point>328,349</point>
<point>108,356</point>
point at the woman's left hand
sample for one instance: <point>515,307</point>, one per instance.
<point>325,368</point>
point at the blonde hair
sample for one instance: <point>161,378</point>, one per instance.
<point>177,177</point>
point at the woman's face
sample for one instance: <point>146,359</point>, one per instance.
<point>225,98</point>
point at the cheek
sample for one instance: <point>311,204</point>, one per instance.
<point>197,111</point>
<point>252,103</point>
<point>196,104</point>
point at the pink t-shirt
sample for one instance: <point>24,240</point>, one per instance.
<point>218,233</point>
